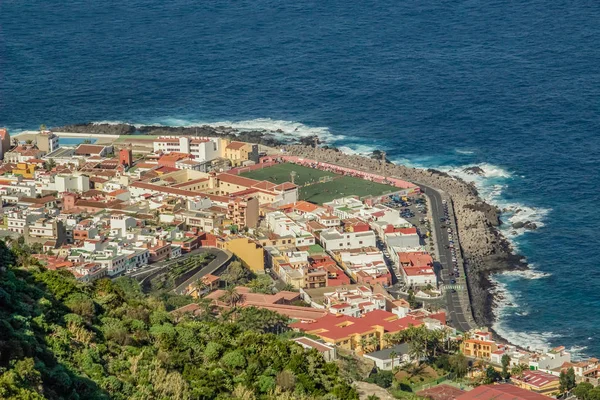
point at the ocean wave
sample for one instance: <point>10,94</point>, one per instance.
<point>281,129</point>
<point>507,304</point>
<point>491,184</point>
<point>530,273</point>
<point>577,352</point>
<point>358,149</point>
<point>465,152</point>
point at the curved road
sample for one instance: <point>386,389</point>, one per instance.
<point>221,257</point>
<point>460,318</point>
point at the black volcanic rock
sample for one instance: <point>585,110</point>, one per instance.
<point>474,171</point>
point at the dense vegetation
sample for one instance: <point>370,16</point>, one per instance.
<point>63,340</point>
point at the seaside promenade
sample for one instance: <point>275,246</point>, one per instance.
<point>457,302</point>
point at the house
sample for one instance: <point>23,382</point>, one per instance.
<point>351,333</point>
<point>332,240</point>
<point>479,348</point>
<point>501,392</point>
<point>388,359</point>
<point>239,152</point>
<point>328,352</point>
<point>243,211</point>
<point>537,381</point>
<point>418,276</point>
<point>201,148</point>
<point>251,253</point>
<point>89,150</point>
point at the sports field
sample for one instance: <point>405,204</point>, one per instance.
<point>312,186</point>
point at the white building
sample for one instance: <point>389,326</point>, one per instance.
<point>391,357</point>
<point>71,183</point>
<point>202,148</point>
<point>332,240</point>
<point>120,224</point>
<point>353,302</point>
<point>402,240</point>
<point>418,276</point>
<point>282,225</point>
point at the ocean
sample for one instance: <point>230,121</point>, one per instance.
<point>511,87</point>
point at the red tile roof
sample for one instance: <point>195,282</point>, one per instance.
<point>441,392</point>
<point>85,149</point>
<point>501,392</point>
<point>340,326</point>
<point>537,379</point>
<point>235,145</point>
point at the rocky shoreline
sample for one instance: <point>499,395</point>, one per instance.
<point>485,249</point>
<point>264,137</point>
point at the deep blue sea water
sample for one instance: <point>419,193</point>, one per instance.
<point>511,86</point>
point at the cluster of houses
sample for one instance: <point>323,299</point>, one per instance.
<point>99,211</point>
<point>542,366</point>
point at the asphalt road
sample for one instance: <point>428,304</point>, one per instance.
<point>457,315</point>
<point>220,257</point>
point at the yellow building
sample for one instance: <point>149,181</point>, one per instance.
<point>238,152</point>
<point>538,381</point>
<point>250,253</point>
<point>479,348</point>
<point>26,170</point>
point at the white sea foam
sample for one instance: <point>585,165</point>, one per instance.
<point>466,152</point>
<point>577,352</point>
<point>358,149</point>
<point>506,304</point>
<point>282,130</point>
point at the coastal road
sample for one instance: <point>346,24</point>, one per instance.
<point>458,311</point>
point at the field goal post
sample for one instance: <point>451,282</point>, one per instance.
<point>325,179</point>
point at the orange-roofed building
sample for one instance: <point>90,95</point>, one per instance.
<point>504,391</point>
<point>239,152</point>
<point>416,259</point>
<point>479,348</point>
<point>347,332</point>
<point>538,381</point>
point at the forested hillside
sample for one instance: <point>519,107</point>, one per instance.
<point>63,340</point>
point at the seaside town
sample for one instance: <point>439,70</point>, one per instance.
<point>362,267</point>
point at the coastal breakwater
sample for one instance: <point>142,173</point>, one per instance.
<point>484,248</point>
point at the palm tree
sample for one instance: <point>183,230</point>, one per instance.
<point>374,342</point>
<point>393,355</point>
<point>231,296</point>
<point>363,344</point>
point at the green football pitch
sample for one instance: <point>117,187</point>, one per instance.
<point>319,186</point>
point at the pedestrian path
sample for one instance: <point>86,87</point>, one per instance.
<point>456,287</point>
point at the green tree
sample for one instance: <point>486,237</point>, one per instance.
<point>382,379</point>
<point>491,375</point>
<point>261,284</point>
<point>231,297</point>
<point>567,380</point>
<point>412,300</point>
<point>581,391</point>
<point>50,164</point>
<point>459,364</point>
<point>594,394</point>
<point>505,364</point>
